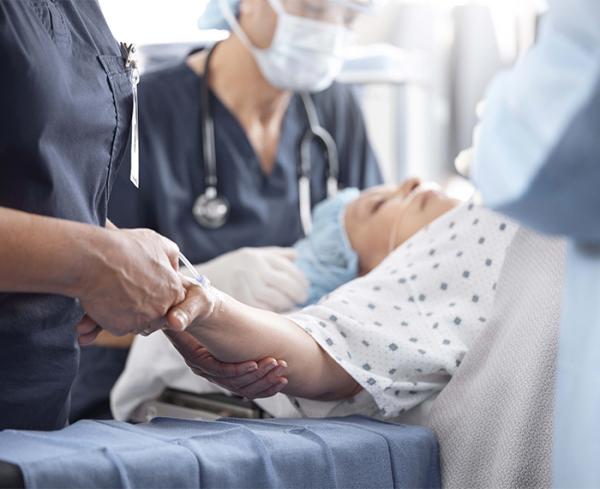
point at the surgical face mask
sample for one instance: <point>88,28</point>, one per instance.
<point>305,55</point>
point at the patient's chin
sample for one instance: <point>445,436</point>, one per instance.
<point>370,261</point>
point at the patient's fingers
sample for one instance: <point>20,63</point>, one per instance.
<point>270,384</point>
<point>270,381</point>
<point>216,371</point>
<point>202,362</point>
<point>264,368</point>
<point>210,366</point>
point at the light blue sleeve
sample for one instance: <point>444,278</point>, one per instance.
<point>538,158</point>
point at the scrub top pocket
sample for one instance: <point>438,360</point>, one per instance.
<point>63,128</point>
<point>53,20</point>
<point>119,81</point>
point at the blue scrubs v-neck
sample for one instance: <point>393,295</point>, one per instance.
<point>289,135</point>
<point>264,208</point>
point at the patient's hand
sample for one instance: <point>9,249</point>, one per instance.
<point>253,380</point>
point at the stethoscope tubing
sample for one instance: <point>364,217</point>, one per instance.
<point>210,201</point>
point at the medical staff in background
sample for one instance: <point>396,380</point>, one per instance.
<point>538,160</point>
<point>238,142</point>
<point>65,123</point>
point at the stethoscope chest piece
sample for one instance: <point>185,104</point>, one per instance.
<point>210,210</point>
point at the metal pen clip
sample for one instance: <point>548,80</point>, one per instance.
<point>130,55</point>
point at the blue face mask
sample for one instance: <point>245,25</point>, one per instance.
<point>325,256</point>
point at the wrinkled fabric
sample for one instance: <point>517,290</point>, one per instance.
<point>326,256</point>
<point>344,453</point>
<point>98,369</point>
<point>494,420</point>
<point>65,112</point>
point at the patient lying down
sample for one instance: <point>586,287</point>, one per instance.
<point>396,334</point>
<point>353,233</point>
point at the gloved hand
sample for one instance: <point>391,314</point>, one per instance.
<point>259,277</point>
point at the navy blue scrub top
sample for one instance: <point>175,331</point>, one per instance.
<point>65,109</point>
<point>264,208</point>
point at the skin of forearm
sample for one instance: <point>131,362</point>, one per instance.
<point>41,254</point>
<point>236,333</point>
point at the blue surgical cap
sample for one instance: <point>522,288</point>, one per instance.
<point>326,256</point>
<point>213,17</point>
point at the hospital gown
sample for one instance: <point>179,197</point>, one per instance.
<point>264,207</point>
<point>402,331</point>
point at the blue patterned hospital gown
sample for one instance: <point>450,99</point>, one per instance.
<point>402,330</point>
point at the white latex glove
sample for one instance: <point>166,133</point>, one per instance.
<point>260,277</point>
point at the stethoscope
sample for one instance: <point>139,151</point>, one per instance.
<point>212,210</point>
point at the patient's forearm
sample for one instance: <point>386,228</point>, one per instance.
<point>236,333</point>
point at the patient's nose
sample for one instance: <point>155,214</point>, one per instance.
<point>408,186</point>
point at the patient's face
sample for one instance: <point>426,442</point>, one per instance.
<point>384,217</point>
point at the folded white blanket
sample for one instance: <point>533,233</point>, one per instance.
<point>494,419</point>
<point>154,364</point>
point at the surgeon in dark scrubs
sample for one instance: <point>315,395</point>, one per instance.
<point>259,121</point>
<point>65,112</point>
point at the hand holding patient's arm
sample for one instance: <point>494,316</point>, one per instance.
<point>125,280</point>
<point>234,332</point>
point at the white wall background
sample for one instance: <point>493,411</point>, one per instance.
<point>153,21</point>
<point>157,21</point>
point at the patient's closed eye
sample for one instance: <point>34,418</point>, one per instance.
<point>377,204</point>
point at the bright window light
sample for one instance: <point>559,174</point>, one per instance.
<point>154,21</point>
